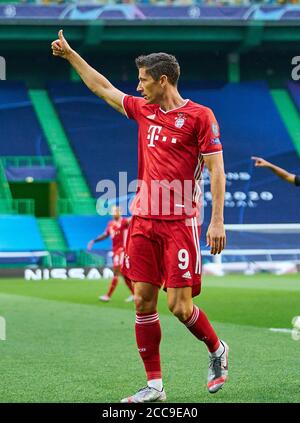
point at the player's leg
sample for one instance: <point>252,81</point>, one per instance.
<point>148,337</point>
<point>129,284</point>
<point>131,289</point>
<point>127,281</point>
<point>142,267</point>
<point>115,279</point>
<point>184,281</point>
<point>112,286</point>
<point>181,305</point>
<point>148,332</point>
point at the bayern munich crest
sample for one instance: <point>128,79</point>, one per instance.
<point>179,120</point>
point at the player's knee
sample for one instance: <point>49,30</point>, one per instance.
<point>143,305</point>
<point>181,311</point>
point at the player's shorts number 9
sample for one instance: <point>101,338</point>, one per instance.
<point>183,257</point>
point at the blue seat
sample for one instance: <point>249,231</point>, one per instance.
<point>294,90</point>
<point>21,134</point>
<point>20,233</point>
<point>79,230</point>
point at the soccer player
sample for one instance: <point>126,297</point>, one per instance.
<point>116,229</point>
<point>176,138</point>
<point>283,174</point>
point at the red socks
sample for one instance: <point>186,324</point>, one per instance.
<point>113,285</point>
<point>148,336</point>
<point>199,325</point>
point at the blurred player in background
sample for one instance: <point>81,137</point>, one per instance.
<point>116,229</point>
<point>283,174</point>
<point>176,138</point>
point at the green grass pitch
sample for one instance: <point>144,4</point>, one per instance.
<point>63,345</point>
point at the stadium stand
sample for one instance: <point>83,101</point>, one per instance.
<point>17,118</point>
<point>20,233</point>
<point>294,90</point>
<point>76,195</point>
<point>52,235</point>
<point>87,228</point>
<point>103,140</point>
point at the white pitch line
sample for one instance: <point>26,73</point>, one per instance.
<point>281,330</point>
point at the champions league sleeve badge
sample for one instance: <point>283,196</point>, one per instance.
<point>215,129</point>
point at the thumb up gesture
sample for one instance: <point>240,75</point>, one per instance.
<point>60,47</point>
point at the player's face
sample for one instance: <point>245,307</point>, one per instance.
<point>150,89</point>
<point>116,213</point>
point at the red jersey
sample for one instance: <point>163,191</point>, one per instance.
<point>117,230</point>
<point>171,146</point>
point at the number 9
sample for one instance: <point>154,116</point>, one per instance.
<point>183,257</point>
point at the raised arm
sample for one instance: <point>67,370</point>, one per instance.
<point>283,174</point>
<point>96,82</point>
<point>215,236</point>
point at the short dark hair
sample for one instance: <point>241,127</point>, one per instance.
<point>158,64</point>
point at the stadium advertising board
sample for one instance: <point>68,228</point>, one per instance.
<point>64,273</point>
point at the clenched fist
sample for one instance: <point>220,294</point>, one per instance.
<point>260,162</point>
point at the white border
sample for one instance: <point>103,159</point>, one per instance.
<point>176,108</point>
<point>210,154</point>
<point>124,106</point>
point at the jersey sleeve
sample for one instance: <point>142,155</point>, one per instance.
<point>132,106</point>
<point>297,180</point>
<point>209,134</point>
<point>125,223</point>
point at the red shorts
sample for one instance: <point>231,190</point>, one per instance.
<point>118,257</point>
<point>164,253</point>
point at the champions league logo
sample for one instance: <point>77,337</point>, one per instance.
<point>215,129</point>
<point>179,120</point>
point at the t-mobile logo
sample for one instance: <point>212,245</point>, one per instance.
<point>153,135</point>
